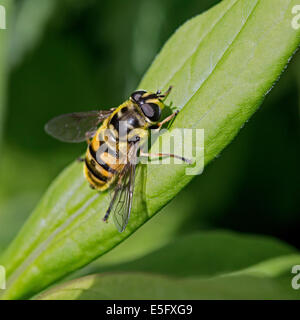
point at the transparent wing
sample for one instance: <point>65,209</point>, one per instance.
<point>76,126</point>
<point>121,203</point>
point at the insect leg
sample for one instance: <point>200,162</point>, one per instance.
<point>81,159</point>
<point>171,155</point>
<point>105,218</point>
<point>117,190</point>
<point>169,118</point>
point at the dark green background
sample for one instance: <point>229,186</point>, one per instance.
<point>92,54</point>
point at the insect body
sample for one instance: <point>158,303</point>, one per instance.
<point>113,148</point>
<point>102,168</point>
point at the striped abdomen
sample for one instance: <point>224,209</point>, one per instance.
<point>107,153</point>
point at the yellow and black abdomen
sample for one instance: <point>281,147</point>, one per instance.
<point>98,169</point>
<point>106,154</point>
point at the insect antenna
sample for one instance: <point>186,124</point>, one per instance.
<point>164,95</point>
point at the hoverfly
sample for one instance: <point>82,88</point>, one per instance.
<point>111,156</point>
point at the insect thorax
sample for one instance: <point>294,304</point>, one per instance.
<point>128,124</point>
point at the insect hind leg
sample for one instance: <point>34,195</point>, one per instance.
<point>112,201</point>
<point>105,218</point>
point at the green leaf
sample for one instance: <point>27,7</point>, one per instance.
<point>137,286</point>
<point>222,64</point>
<point>206,265</point>
<point>206,254</point>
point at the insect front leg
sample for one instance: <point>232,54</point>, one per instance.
<point>169,118</point>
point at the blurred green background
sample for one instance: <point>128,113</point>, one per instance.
<point>80,55</point>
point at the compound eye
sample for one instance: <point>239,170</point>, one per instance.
<point>136,96</point>
<point>151,111</point>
